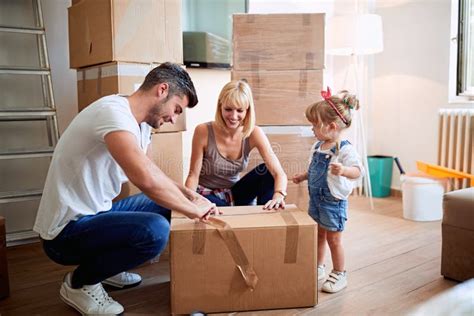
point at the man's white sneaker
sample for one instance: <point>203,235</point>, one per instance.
<point>335,282</point>
<point>90,299</point>
<point>321,272</point>
<point>124,280</point>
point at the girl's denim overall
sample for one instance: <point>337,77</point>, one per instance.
<point>329,212</point>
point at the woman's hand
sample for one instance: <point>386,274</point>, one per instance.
<point>277,202</point>
<point>299,177</point>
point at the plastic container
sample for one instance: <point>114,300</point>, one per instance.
<point>380,171</point>
<point>422,197</point>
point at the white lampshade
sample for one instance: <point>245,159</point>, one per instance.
<point>354,35</point>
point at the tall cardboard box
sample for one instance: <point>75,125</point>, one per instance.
<point>279,247</point>
<point>117,78</point>
<point>282,96</point>
<point>124,30</point>
<point>292,146</point>
<point>278,41</point>
<point>166,151</point>
<point>4,280</point>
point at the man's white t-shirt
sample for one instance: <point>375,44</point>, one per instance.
<point>83,177</point>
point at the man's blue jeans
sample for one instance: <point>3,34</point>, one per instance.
<point>133,231</point>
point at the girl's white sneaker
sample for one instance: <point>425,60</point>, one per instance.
<point>335,282</point>
<point>321,272</point>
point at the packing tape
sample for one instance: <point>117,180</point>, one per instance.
<point>310,60</point>
<point>83,73</point>
<point>254,61</point>
<point>199,238</point>
<point>303,84</point>
<point>292,233</point>
<point>230,239</point>
<point>238,255</point>
<point>306,19</point>
<point>99,80</point>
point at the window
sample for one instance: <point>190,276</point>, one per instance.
<point>465,66</point>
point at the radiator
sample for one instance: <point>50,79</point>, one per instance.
<point>455,142</point>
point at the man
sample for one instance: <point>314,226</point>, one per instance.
<point>104,146</point>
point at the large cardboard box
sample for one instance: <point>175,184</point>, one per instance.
<point>117,78</point>
<point>292,146</point>
<point>166,151</point>
<point>281,97</point>
<point>279,248</point>
<point>4,280</point>
<point>125,30</point>
<point>278,41</point>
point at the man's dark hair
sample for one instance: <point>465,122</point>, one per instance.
<point>178,79</point>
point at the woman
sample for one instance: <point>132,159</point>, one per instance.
<point>220,152</point>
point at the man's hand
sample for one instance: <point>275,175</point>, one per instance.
<point>206,208</point>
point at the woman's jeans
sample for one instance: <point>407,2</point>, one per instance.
<point>258,183</point>
<point>133,231</point>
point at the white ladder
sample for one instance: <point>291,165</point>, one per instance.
<point>43,111</point>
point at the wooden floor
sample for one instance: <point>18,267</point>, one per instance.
<point>393,264</point>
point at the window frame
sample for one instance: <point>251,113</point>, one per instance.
<point>464,55</point>
<point>455,95</point>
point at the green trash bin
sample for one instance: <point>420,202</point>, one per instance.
<point>380,171</point>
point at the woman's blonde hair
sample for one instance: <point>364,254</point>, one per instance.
<point>323,112</point>
<point>237,94</point>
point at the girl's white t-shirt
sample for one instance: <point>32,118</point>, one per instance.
<point>341,187</point>
<point>83,177</point>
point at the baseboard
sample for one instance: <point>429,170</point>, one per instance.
<point>395,193</point>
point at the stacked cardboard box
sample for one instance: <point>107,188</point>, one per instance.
<point>166,151</point>
<point>113,44</point>
<point>247,259</point>
<point>282,58</point>
<point>292,145</point>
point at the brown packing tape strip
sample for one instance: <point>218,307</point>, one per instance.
<point>310,60</point>
<point>83,72</point>
<point>292,232</point>
<point>236,251</point>
<point>303,84</point>
<point>250,18</point>
<point>99,81</point>
<point>306,19</point>
<point>199,238</point>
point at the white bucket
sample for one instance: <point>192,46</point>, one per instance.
<point>422,197</point>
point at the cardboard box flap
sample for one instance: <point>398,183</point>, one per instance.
<point>255,218</point>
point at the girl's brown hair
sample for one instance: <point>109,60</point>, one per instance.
<point>323,112</point>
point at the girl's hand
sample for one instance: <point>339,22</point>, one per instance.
<point>336,168</point>
<point>297,178</point>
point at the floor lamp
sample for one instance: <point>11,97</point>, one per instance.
<point>356,35</point>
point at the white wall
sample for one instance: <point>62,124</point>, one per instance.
<point>408,86</point>
<point>410,81</point>
<point>64,79</point>
<point>208,84</point>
